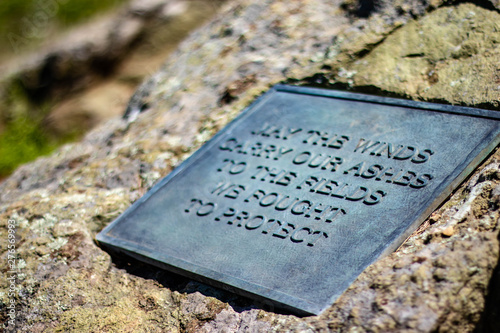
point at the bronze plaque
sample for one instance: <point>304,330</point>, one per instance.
<point>306,188</point>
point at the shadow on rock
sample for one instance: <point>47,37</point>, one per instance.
<point>181,284</point>
<point>490,319</point>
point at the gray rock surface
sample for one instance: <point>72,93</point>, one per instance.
<point>444,278</point>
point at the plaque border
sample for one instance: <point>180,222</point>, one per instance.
<point>267,296</point>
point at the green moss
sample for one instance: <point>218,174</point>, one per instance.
<point>23,141</point>
<point>77,10</point>
<point>22,138</point>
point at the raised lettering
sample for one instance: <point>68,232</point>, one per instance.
<point>250,223</point>
<point>272,224</point>
<point>365,145</point>
<point>230,144</point>
<point>390,172</point>
<point>301,207</point>
<point>292,131</point>
<point>358,194</point>
<point>269,199</point>
<point>389,151</point>
<point>319,234</point>
<point>233,167</point>
<point>327,188</point>
<point>229,190</point>
<point>318,160</point>
<point>302,158</point>
<point>336,143</point>
<point>339,191</point>
<point>257,195</point>
<point>194,203</point>
<point>405,178</point>
<point>295,237</point>
<point>358,168</point>
<point>333,163</point>
<point>335,212</point>
<point>206,209</point>
<point>283,232</point>
<point>239,218</point>
<point>235,191</point>
<point>321,210</point>
<point>269,150</point>
<point>423,156</point>
<point>282,151</point>
<point>421,181</point>
<point>378,149</point>
<point>309,181</point>
<point>228,213</point>
<point>405,153</point>
<point>375,197</point>
<point>285,203</point>
<point>315,137</point>
<point>286,179</point>
<point>372,171</point>
<point>266,127</point>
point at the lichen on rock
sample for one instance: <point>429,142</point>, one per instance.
<point>442,279</point>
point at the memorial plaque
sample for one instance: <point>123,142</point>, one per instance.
<point>299,194</point>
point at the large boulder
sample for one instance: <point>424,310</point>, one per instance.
<point>445,277</point>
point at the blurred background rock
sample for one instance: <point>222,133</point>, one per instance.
<point>67,65</point>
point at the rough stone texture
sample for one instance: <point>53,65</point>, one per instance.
<point>444,278</point>
<point>450,56</point>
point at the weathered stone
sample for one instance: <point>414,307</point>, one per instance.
<point>437,281</point>
<point>451,55</point>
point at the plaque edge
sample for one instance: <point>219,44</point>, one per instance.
<point>201,273</point>
<point>435,200</point>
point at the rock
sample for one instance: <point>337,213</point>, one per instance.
<point>85,110</point>
<point>448,231</point>
<point>437,280</point>
<point>448,56</point>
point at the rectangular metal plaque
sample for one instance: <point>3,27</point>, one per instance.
<point>306,188</point>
